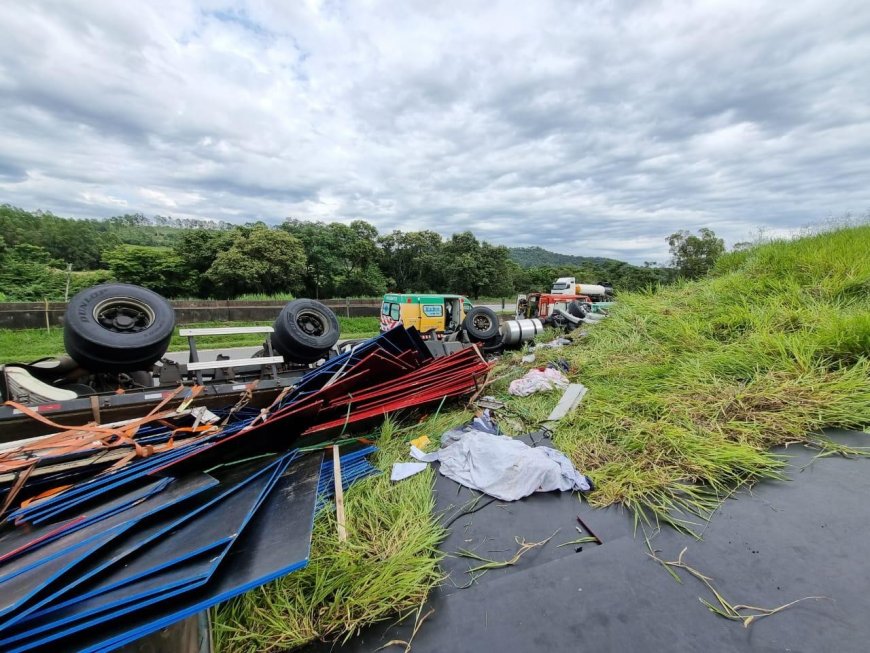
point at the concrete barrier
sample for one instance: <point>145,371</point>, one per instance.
<point>32,315</point>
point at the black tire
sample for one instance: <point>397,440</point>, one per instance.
<point>117,327</point>
<point>481,323</point>
<point>305,331</point>
<point>494,345</point>
<point>577,309</point>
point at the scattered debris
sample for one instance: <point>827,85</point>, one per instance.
<point>401,471</point>
<point>339,495</point>
<point>555,344</point>
<point>488,564</point>
<point>538,380</point>
<point>180,509</point>
<point>477,457</point>
<point>572,397</point>
<point>506,468</point>
<point>490,402</point>
<point>354,467</point>
<point>579,540</point>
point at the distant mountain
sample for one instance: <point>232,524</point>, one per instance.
<point>532,257</point>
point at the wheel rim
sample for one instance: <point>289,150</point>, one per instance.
<point>311,323</point>
<point>482,322</point>
<point>123,315</point>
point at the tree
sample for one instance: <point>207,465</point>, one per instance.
<point>322,262</point>
<point>411,260</point>
<point>694,256</point>
<point>496,270</point>
<point>198,248</point>
<point>461,262</point>
<point>342,259</point>
<point>535,279</point>
<point>157,268</point>
<point>260,260</point>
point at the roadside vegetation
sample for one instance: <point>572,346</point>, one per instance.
<point>689,389</point>
<point>26,345</point>
<point>207,259</point>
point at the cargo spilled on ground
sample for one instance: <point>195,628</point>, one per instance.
<point>689,388</point>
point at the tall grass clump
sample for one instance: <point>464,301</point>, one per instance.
<point>386,568</point>
<point>691,386</point>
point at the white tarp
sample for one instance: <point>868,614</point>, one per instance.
<point>401,471</point>
<point>503,467</point>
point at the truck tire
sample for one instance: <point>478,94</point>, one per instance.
<point>494,345</point>
<point>481,323</point>
<point>577,309</point>
<point>305,331</point>
<point>117,327</point>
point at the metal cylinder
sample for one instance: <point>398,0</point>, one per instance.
<point>515,332</point>
<point>590,289</point>
<point>527,330</point>
<point>510,332</point>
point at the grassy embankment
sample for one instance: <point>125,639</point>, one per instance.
<point>25,345</point>
<point>689,390</point>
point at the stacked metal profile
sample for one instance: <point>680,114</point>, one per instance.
<point>113,532</point>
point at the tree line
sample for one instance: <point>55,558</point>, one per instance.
<point>207,259</point>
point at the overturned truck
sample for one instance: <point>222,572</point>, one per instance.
<point>116,337</point>
<point>453,319</point>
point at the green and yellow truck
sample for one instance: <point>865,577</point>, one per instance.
<point>440,316</point>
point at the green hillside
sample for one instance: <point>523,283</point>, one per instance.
<point>541,267</point>
<point>531,257</point>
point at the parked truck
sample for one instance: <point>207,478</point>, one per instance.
<point>597,292</point>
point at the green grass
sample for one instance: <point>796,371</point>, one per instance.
<point>25,345</point>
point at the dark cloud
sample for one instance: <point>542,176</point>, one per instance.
<point>591,128</point>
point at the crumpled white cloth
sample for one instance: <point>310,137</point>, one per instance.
<point>401,471</point>
<point>538,381</point>
<point>503,467</point>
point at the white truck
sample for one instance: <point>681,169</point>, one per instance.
<point>569,286</point>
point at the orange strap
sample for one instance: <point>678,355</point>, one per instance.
<point>70,438</point>
<point>16,487</point>
<point>45,495</point>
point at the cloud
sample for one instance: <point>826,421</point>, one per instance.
<point>589,128</point>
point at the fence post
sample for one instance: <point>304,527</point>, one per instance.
<point>347,306</point>
<point>68,275</point>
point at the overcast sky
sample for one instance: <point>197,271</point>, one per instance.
<point>582,127</point>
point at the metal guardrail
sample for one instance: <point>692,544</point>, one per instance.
<point>36,315</point>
